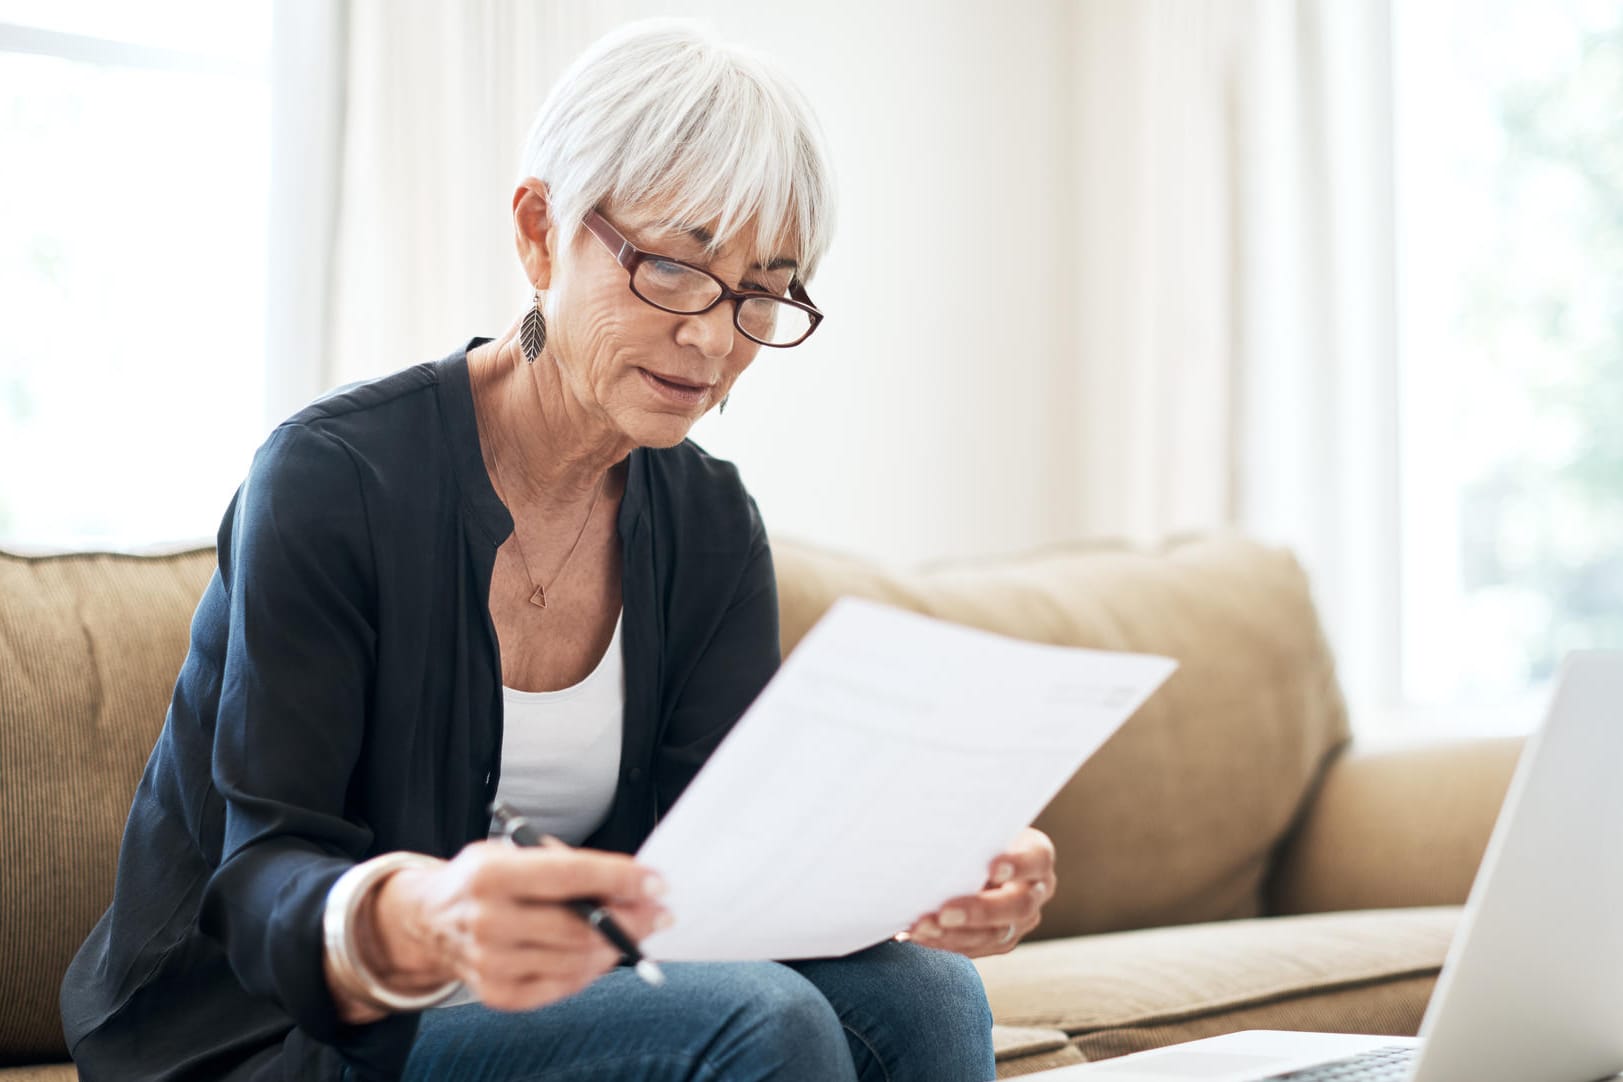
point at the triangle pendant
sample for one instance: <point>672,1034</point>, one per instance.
<point>539,598</point>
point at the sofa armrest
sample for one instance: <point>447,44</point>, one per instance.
<point>1395,827</point>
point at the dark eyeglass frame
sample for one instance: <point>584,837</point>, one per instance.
<point>630,257</point>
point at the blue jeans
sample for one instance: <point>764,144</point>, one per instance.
<point>892,1012</point>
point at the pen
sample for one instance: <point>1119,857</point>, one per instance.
<point>519,830</point>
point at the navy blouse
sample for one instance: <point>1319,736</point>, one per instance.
<point>342,698</point>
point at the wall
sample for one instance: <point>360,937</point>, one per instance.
<point>928,417</point>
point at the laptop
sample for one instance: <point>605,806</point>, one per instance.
<point>1532,988</point>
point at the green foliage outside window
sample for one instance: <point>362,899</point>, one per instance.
<point>1545,522</point>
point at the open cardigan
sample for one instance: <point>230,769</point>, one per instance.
<point>342,698</point>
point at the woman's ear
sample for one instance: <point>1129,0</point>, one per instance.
<point>534,231</point>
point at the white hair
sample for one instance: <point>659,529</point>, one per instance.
<point>661,113</point>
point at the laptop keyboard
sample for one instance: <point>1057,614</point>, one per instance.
<point>1379,1065</point>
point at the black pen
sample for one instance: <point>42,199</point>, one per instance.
<point>519,830</point>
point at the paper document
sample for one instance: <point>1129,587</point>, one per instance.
<point>888,762</point>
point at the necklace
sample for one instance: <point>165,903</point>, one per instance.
<point>538,597</point>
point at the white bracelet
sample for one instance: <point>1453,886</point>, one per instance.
<point>338,935</point>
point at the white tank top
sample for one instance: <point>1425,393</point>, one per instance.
<point>561,750</point>
<point>561,755</point>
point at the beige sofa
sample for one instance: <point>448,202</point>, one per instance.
<point>1226,861</point>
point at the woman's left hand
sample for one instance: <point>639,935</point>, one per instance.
<point>1006,909</point>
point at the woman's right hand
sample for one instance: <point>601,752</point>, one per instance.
<point>491,918</point>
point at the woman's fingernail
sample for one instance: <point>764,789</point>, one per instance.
<point>1003,873</point>
<point>952,918</point>
<point>1040,889</point>
<point>928,930</point>
<point>653,886</point>
<point>663,921</point>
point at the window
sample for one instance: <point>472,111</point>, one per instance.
<point>1510,197</point>
<point>132,265</point>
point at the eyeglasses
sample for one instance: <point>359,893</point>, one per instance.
<point>671,285</point>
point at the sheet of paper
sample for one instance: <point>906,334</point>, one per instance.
<point>876,776</point>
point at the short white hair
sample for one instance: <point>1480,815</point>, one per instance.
<point>662,113</point>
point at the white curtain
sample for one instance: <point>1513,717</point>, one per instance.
<point>438,99</point>
<point>1154,107</point>
<point>1116,267</point>
<point>1235,305</point>
<point>308,69</point>
<point>1318,344</point>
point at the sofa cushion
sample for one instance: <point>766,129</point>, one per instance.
<point>49,1072</point>
<point>1023,1050</point>
<point>1176,818</point>
<point>1369,971</point>
<point>90,646</point>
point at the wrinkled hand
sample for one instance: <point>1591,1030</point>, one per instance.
<point>1007,908</point>
<point>491,919</point>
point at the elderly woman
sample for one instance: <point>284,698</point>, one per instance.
<point>508,574</point>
